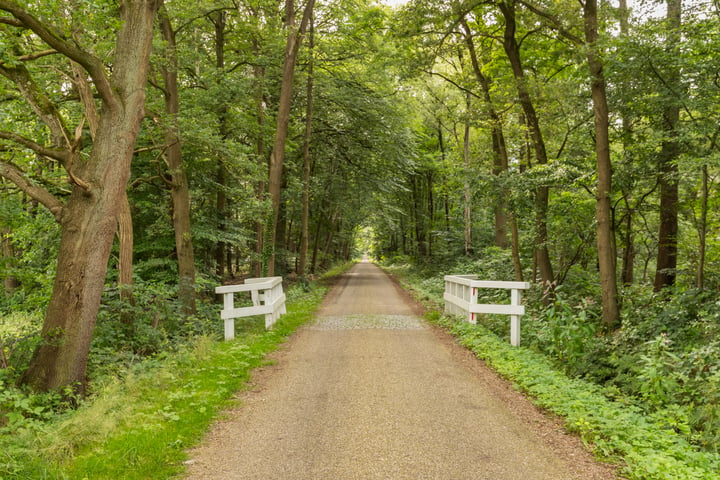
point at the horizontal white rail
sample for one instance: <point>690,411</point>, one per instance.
<point>461,295</point>
<point>267,297</point>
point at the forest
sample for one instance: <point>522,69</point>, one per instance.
<point>151,150</point>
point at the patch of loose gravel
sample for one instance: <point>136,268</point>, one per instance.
<point>369,391</point>
<point>360,322</point>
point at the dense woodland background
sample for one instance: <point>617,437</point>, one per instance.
<point>151,150</point>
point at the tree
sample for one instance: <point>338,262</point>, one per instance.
<point>177,177</point>
<point>605,234</point>
<point>665,270</point>
<point>603,213</point>
<point>307,160</point>
<point>500,155</point>
<point>295,34</point>
<point>88,217</point>
<point>542,194</point>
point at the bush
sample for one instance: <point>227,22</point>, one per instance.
<point>19,334</point>
<point>565,331</point>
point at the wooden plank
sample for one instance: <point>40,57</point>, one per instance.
<point>461,279</point>
<point>471,281</point>
<point>503,285</point>
<point>243,288</point>
<point>456,301</point>
<point>229,328</point>
<point>497,309</point>
<point>245,312</point>
<point>272,281</point>
<point>514,330</point>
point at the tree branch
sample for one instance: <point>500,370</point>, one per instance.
<point>55,40</point>
<point>60,155</point>
<point>39,102</point>
<point>453,82</point>
<point>17,176</point>
<point>10,21</point>
<point>36,55</point>
<point>554,22</point>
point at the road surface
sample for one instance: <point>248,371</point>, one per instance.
<point>369,391</point>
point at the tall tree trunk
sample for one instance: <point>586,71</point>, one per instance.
<point>418,223</point>
<point>501,204</point>
<point>446,197</point>
<point>221,211</point>
<point>316,245</point>
<point>221,201</point>
<point>89,218</point>
<point>627,274</point>
<point>517,266</point>
<point>125,232</point>
<point>430,211</point>
<point>467,194</point>
<point>277,156</point>
<point>332,228</point>
<point>665,270</point>
<point>702,230</point>
<point>542,195</point>
<point>500,157</point>
<point>603,214</point>
<point>179,185</point>
<point>305,221</point>
<point>259,77</point>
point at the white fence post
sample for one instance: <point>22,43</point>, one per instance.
<point>229,305</point>
<point>461,294</point>
<point>267,297</point>
<point>515,296</point>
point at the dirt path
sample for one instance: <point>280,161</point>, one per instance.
<point>371,392</point>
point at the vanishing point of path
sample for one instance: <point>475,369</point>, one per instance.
<point>369,391</point>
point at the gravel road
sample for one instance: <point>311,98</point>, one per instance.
<point>369,391</point>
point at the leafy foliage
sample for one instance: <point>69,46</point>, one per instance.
<point>140,420</point>
<point>648,443</point>
<point>614,429</point>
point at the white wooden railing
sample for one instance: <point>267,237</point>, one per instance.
<point>267,297</point>
<point>461,296</point>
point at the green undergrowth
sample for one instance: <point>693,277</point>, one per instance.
<point>139,425</point>
<point>615,431</point>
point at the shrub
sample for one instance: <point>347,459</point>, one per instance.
<point>19,334</point>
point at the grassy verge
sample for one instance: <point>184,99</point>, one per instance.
<point>614,430</point>
<point>140,426</point>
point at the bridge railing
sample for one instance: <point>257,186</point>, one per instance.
<point>267,298</point>
<point>461,297</point>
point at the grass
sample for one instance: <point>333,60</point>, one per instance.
<point>140,426</point>
<point>615,430</point>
